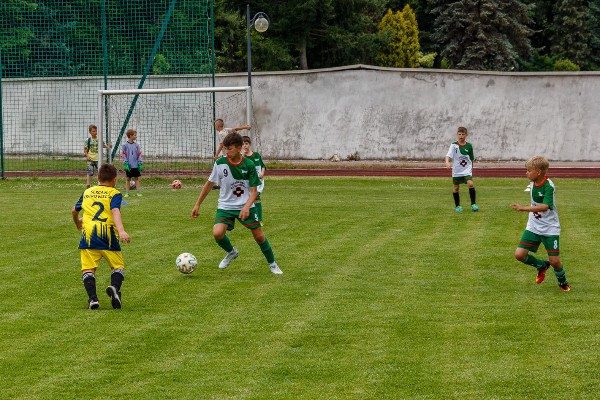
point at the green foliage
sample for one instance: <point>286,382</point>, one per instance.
<point>406,299</point>
<point>479,35</point>
<point>403,48</point>
<point>426,60</point>
<point>571,35</point>
<point>565,65</point>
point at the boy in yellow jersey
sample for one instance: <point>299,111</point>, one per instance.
<point>101,229</point>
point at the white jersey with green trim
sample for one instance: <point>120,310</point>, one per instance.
<point>235,180</point>
<point>462,159</point>
<point>543,223</point>
<point>260,165</point>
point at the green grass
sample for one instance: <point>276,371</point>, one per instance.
<point>387,293</point>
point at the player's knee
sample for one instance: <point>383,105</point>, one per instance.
<point>520,254</point>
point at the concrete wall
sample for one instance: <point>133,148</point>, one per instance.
<point>380,113</point>
<point>413,114</point>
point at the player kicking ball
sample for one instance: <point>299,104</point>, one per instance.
<point>238,181</point>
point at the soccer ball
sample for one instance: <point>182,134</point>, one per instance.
<point>132,185</point>
<point>176,184</point>
<point>186,263</point>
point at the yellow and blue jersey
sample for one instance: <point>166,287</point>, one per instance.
<point>98,227</point>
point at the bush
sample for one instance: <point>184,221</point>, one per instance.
<point>565,65</point>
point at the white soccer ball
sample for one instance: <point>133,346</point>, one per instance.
<point>186,263</point>
<point>132,185</point>
<point>176,184</point>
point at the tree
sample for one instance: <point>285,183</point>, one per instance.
<point>481,34</point>
<point>571,35</point>
<point>594,26</point>
<point>403,49</point>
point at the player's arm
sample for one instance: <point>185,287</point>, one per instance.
<point>538,208</point>
<point>76,218</point>
<point>241,128</point>
<point>245,211</point>
<point>85,151</point>
<point>116,214</point>
<point>203,193</point>
<point>448,162</point>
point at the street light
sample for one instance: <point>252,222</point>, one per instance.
<point>261,24</point>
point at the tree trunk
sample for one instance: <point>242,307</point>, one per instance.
<point>303,59</point>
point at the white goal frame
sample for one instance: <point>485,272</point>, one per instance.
<point>213,89</point>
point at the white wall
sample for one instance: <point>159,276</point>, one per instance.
<point>380,113</point>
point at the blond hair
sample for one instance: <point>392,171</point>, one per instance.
<point>537,162</point>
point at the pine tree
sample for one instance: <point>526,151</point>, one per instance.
<point>481,34</point>
<point>572,37</point>
<point>403,48</point>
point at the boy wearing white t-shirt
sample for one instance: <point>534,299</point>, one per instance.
<point>460,158</point>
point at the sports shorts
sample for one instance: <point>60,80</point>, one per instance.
<point>90,259</point>
<point>531,241</point>
<point>92,168</point>
<point>133,173</point>
<point>228,217</point>
<point>457,180</point>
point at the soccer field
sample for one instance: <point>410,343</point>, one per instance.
<point>387,293</point>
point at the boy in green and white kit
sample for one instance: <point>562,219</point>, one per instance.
<point>260,170</point>
<point>543,225</point>
<point>460,158</point>
<point>238,180</point>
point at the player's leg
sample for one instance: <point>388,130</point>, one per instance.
<point>89,262</point>
<point>471,186</point>
<point>224,221</point>
<point>127,184</point>
<point>552,244</point>
<point>117,276</point>
<point>456,194</point>
<point>266,249</point>
<point>531,242</point>
<point>258,207</point>
<point>89,173</point>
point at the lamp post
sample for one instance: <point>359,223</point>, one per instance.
<point>261,24</point>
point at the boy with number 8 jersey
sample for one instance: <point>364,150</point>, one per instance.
<point>543,225</point>
<point>238,181</point>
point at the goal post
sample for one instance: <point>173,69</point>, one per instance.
<point>175,125</point>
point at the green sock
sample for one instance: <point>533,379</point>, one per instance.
<point>534,262</point>
<point>561,276</point>
<point>225,244</point>
<point>266,249</point>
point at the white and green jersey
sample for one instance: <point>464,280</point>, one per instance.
<point>462,159</point>
<point>235,181</point>
<point>543,223</point>
<point>260,165</point>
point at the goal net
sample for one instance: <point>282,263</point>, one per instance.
<point>175,127</point>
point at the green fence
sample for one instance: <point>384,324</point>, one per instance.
<point>56,54</point>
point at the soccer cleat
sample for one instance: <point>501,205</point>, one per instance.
<point>115,296</point>
<point>458,209</point>
<point>565,287</point>
<point>275,269</point>
<point>228,258</point>
<point>126,195</point>
<point>139,195</point>
<point>474,207</point>
<point>541,275</point>
<point>93,303</point>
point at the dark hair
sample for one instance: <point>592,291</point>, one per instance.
<point>107,173</point>
<point>233,139</point>
<point>92,126</point>
<point>462,129</point>
<point>246,139</point>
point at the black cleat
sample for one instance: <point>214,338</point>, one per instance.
<point>115,296</point>
<point>93,303</point>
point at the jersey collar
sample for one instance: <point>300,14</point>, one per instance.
<point>541,184</point>
<point>235,164</point>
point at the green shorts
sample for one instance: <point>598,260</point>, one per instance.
<point>457,180</point>
<point>228,217</point>
<point>531,241</point>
